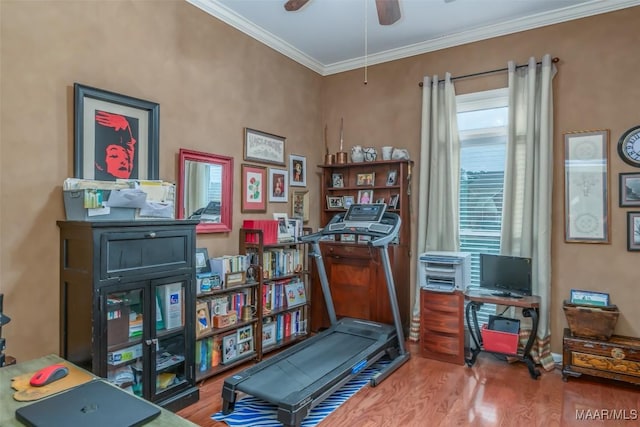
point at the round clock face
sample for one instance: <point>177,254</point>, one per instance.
<point>629,146</point>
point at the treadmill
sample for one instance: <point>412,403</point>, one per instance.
<point>300,377</point>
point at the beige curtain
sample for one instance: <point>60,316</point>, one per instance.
<point>526,221</point>
<point>197,184</point>
<point>439,175</point>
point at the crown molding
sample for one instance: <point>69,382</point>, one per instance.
<point>569,13</point>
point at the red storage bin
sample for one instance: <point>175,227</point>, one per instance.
<point>499,342</point>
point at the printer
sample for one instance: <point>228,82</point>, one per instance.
<point>444,271</point>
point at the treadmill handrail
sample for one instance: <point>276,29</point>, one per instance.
<point>389,218</point>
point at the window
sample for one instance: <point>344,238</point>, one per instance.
<point>482,124</point>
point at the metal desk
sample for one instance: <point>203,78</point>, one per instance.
<point>530,306</point>
<point>9,405</point>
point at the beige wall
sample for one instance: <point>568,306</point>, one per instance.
<point>597,87</point>
<point>211,81</point>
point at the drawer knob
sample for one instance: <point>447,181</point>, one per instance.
<point>617,353</point>
<point>151,234</point>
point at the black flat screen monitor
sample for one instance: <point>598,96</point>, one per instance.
<point>507,276</point>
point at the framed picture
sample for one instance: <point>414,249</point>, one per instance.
<point>202,261</point>
<point>278,185</point>
<point>203,320</point>
<point>115,136</point>
<point>254,198</point>
<point>263,147</point>
<point>392,177</point>
<point>245,348</point>
<point>335,202</point>
<point>337,181</point>
<point>365,196</point>
<point>586,198</point>
<point>300,205</point>
<point>381,200</point>
<point>633,231</point>
<point>297,171</point>
<point>393,201</point>
<point>268,333</point>
<point>589,298</point>
<point>229,349</point>
<point>244,333</point>
<point>347,201</point>
<point>347,237</point>
<point>629,189</point>
<point>365,179</point>
<point>283,227</point>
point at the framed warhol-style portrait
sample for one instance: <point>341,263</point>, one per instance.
<point>254,189</point>
<point>263,147</point>
<point>297,171</point>
<point>115,136</point>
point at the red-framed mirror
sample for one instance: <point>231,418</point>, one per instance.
<point>205,190</point>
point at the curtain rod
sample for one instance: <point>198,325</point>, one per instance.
<point>482,73</point>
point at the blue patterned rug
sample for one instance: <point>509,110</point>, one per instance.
<point>253,412</point>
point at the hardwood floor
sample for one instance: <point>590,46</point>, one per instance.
<point>426,392</point>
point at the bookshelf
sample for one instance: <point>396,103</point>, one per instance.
<point>225,324</point>
<point>283,306</point>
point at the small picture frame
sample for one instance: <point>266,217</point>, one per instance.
<point>629,189</point>
<point>347,201</point>
<point>278,185</point>
<point>268,333</point>
<point>393,201</point>
<point>381,200</point>
<point>335,202</point>
<point>203,320</point>
<point>348,238</point>
<point>283,226</point>
<point>633,231</point>
<point>300,205</point>
<point>245,348</point>
<point>337,180</point>
<point>297,171</point>
<point>244,334</point>
<point>229,349</point>
<point>203,264</point>
<point>581,297</point>
<point>365,197</point>
<point>366,179</point>
<point>392,178</point>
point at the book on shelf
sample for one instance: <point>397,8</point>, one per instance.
<point>203,318</point>
<point>296,294</point>
<point>171,302</point>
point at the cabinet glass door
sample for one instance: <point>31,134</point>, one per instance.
<point>125,327</point>
<point>170,336</point>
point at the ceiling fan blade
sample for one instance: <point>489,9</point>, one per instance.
<point>388,11</point>
<point>293,5</point>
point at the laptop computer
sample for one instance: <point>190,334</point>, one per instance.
<point>95,404</point>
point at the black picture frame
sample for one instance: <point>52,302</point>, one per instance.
<point>633,231</point>
<point>92,134</point>
<point>629,190</point>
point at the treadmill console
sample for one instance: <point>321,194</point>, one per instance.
<point>360,219</point>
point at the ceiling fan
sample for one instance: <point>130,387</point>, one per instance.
<point>388,10</point>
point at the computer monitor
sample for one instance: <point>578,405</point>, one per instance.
<point>508,276</point>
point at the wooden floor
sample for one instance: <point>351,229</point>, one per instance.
<point>426,392</point>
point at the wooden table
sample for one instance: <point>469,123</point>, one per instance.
<point>9,405</point>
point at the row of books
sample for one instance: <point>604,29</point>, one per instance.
<point>278,262</point>
<point>283,294</point>
<point>284,325</point>
<point>208,353</point>
<point>225,264</point>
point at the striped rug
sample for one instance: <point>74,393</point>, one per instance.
<point>253,412</point>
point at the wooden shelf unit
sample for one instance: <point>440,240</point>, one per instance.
<point>354,270</point>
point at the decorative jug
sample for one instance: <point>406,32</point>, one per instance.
<point>370,154</point>
<point>357,154</point>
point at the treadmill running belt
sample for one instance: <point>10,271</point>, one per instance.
<point>305,367</point>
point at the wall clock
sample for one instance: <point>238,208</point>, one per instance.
<point>629,146</point>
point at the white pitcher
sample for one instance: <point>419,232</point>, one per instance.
<point>357,155</point>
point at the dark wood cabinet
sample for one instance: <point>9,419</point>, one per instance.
<point>127,296</point>
<point>442,326</point>
<point>617,358</point>
<point>354,270</point>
